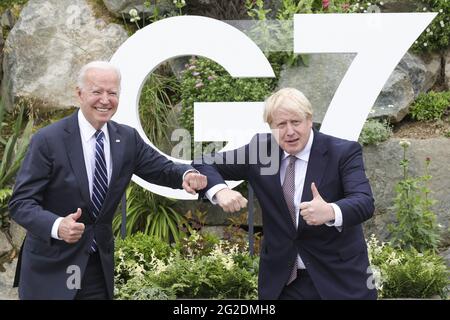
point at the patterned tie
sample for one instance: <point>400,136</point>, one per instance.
<point>100,183</point>
<point>289,192</point>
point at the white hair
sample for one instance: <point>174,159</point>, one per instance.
<point>103,65</point>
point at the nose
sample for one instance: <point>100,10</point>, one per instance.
<point>289,129</point>
<point>104,98</point>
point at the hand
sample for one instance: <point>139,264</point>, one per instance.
<point>230,200</point>
<point>194,181</point>
<point>69,229</point>
<point>317,211</point>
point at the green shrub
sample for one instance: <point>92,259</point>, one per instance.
<point>151,214</point>
<point>135,253</point>
<point>146,268</point>
<point>436,36</point>
<point>142,288</point>
<point>430,106</point>
<point>14,140</point>
<point>155,105</point>
<point>407,273</point>
<point>416,225</point>
<point>375,132</point>
<point>204,80</point>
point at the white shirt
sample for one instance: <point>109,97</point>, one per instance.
<point>88,141</point>
<point>301,166</point>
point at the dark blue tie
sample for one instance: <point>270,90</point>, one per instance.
<point>100,181</point>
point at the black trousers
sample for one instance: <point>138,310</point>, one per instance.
<point>93,285</point>
<point>302,288</point>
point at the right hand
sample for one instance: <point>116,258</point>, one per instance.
<point>230,200</point>
<point>69,229</point>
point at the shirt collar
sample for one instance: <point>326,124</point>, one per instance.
<point>304,153</point>
<point>87,130</point>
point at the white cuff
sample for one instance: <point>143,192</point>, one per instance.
<point>55,228</point>
<point>337,217</point>
<point>190,170</point>
<point>211,193</point>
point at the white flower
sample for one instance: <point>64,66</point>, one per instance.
<point>428,30</point>
<point>369,4</point>
<point>424,9</point>
<point>425,44</point>
<point>381,3</point>
<point>404,143</point>
<point>440,11</point>
<point>133,12</point>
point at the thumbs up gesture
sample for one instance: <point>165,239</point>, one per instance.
<point>69,229</point>
<point>317,211</point>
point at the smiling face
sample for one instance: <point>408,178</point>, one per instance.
<point>291,130</point>
<point>99,96</point>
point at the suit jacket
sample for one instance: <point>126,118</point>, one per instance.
<point>336,261</point>
<point>52,183</point>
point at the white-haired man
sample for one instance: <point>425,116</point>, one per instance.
<point>68,188</point>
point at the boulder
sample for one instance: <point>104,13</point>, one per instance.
<point>44,51</point>
<point>321,78</point>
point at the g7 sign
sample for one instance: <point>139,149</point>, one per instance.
<point>380,40</point>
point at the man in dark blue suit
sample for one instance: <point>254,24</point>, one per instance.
<point>68,188</point>
<point>314,196</point>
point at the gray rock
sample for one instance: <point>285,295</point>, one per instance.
<point>7,19</point>
<point>446,255</point>
<point>319,80</point>
<point>7,292</point>
<point>122,7</point>
<point>384,171</point>
<point>395,98</point>
<point>5,246</point>
<point>400,6</point>
<point>17,233</point>
<point>44,51</point>
<point>423,72</point>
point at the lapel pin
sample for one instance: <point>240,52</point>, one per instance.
<point>117,140</point>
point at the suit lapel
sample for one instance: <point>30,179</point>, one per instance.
<point>75,155</point>
<point>314,173</point>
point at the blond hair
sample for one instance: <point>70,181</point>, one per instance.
<point>289,99</point>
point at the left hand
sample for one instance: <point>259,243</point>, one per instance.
<point>317,211</point>
<point>194,181</point>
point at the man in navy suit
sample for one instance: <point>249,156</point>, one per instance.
<point>314,196</point>
<point>68,188</point>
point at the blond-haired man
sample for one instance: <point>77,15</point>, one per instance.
<point>313,204</point>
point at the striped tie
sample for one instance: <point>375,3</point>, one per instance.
<point>100,183</point>
<point>289,192</point>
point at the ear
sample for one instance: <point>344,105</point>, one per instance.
<point>78,93</point>
<point>310,122</point>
